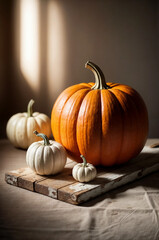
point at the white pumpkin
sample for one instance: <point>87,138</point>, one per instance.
<point>20,127</point>
<point>46,157</point>
<point>84,172</point>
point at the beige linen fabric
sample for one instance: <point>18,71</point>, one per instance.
<point>129,212</point>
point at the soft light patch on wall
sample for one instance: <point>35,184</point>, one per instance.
<point>55,48</point>
<point>29,41</point>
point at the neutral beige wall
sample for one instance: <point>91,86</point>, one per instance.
<point>122,37</point>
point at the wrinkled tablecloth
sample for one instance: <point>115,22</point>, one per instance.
<point>129,212</point>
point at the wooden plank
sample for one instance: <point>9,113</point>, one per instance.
<point>146,163</point>
<point>26,178</point>
<point>50,186</point>
<point>63,187</point>
<point>11,177</point>
<point>28,181</point>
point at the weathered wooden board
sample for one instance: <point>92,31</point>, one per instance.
<point>63,187</point>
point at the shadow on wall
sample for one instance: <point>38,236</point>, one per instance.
<point>48,42</point>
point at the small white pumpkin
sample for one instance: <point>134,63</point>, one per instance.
<point>84,172</point>
<point>46,157</point>
<point>20,127</point>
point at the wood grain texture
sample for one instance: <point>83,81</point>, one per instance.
<point>63,187</point>
<point>28,181</point>
<point>50,186</point>
<point>12,176</point>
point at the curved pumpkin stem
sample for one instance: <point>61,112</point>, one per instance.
<point>30,108</point>
<point>84,161</point>
<point>100,82</point>
<point>45,138</point>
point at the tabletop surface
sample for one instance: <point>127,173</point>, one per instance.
<point>129,212</point>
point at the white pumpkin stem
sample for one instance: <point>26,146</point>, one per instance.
<point>43,136</point>
<point>100,82</point>
<point>30,108</point>
<point>84,161</point>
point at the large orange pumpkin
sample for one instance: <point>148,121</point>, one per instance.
<point>105,122</point>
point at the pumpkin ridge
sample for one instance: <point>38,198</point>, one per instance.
<point>137,109</point>
<point>85,131</point>
<point>100,122</point>
<point>26,132</point>
<point>81,100</point>
<point>40,116</point>
<point>59,118</point>
<point>35,162</point>
<point>108,132</point>
<point>35,114</point>
<point>113,85</point>
<point>121,87</point>
<point>45,123</point>
<point>37,127</point>
<point>85,85</point>
<point>90,84</point>
<point>63,110</point>
<point>78,116</point>
<point>11,133</point>
<point>121,108</point>
<point>138,126</point>
<point>34,156</point>
<point>137,136</point>
<point>46,156</point>
<point>28,155</point>
<point>14,131</point>
<point>75,100</point>
<point>100,154</point>
<point>52,154</point>
<point>123,124</point>
<point>82,122</point>
<point>59,152</point>
<point>43,147</point>
<point>20,123</point>
<point>68,117</point>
